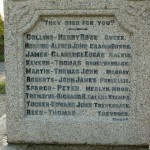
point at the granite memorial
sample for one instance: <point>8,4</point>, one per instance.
<point>78,71</point>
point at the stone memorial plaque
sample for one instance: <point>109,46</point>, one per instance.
<point>77,72</point>
<point>78,66</point>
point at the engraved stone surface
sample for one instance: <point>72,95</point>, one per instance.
<point>78,72</point>
<point>73,65</point>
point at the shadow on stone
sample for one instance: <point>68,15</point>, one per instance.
<point>70,147</point>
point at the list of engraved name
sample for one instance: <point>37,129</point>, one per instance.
<point>78,66</point>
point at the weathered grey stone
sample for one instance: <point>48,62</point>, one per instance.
<point>115,109</point>
<point>2,130</point>
<point>5,146</point>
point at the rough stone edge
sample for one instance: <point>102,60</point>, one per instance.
<point>2,104</point>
